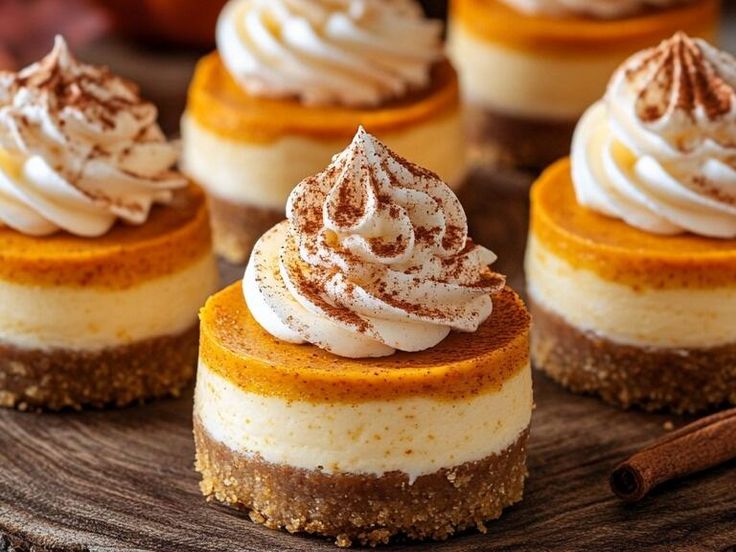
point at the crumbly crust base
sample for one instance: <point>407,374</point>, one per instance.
<point>680,380</point>
<point>36,379</point>
<point>500,140</point>
<point>236,227</point>
<point>362,509</point>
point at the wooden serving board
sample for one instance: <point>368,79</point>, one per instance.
<point>123,480</point>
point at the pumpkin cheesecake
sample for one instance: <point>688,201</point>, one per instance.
<point>370,377</point>
<point>287,87</point>
<point>105,253</point>
<point>631,263</point>
<point>530,68</point>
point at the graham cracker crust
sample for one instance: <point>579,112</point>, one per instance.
<point>237,227</point>
<point>679,380</point>
<point>498,139</point>
<point>34,379</point>
<point>362,509</point>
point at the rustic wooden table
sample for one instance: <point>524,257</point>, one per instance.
<point>124,480</point>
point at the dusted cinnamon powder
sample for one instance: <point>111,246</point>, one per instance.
<point>219,104</point>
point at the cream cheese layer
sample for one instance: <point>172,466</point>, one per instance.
<point>662,318</point>
<point>85,319</point>
<point>529,84</point>
<point>415,436</point>
<point>263,174</point>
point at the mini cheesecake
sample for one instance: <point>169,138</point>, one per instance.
<point>422,444</point>
<point>636,318</point>
<point>104,321</point>
<point>105,254</point>
<point>255,125</point>
<point>347,395</point>
<point>631,261</point>
<point>528,76</point>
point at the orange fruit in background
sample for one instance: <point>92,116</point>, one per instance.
<point>6,61</point>
<point>185,22</point>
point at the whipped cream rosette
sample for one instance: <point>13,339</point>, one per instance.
<point>659,151</point>
<point>79,149</point>
<point>350,52</point>
<point>374,257</point>
<point>606,9</point>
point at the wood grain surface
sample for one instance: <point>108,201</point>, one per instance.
<point>124,480</point>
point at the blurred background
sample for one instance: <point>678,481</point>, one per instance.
<point>153,42</point>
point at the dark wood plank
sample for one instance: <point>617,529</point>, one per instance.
<point>123,480</point>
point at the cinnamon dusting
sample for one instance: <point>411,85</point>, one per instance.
<point>375,232</point>
<point>680,77</point>
<point>89,124</point>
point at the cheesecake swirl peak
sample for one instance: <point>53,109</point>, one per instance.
<point>659,151</point>
<point>374,258</point>
<point>684,89</point>
<point>79,149</point>
<point>321,52</point>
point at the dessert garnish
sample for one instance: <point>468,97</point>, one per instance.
<point>375,257</point>
<point>604,9</point>
<point>348,52</point>
<point>79,149</point>
<point>703,444</point>
<point>659,151</point>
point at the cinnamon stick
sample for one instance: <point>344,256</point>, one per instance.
<point>703,444</point>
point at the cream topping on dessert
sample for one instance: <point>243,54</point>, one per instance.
<point>659,151</point>
<point>605,9</point>
<point>375,257</point>
<point>349,52</point>
<point>79,149</point>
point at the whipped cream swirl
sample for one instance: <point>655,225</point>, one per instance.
<point>79,149</point>
<point>603,9</point>
<point>374,257</point>
<point>659,152</point>
<point>349,52</point>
